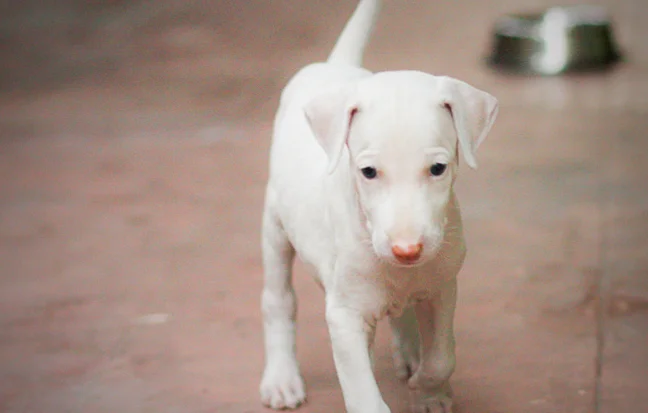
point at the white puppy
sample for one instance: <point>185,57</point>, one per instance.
<point>362,168</point>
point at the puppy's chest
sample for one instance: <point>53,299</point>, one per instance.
<point>401,294</point>
<point>388,296</point>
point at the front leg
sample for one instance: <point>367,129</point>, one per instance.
<point>351,337</point>
<point>430,383</point>
<point>406,343</point>
<point>282,386</point>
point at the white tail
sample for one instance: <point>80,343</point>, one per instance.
<point>350,46</point>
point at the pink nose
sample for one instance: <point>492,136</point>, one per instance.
<point>407,253</point>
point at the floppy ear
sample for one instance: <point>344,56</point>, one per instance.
<point>329,116</point>
<point>473,113</point>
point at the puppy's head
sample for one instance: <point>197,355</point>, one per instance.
<point>402,131</point>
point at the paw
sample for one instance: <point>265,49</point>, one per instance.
<point>282,387</point>
<point>439,404</point>
<point>439,401</point>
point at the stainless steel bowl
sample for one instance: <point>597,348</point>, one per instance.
<point>560,40</point>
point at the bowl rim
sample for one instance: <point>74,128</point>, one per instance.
<point>537,30</point>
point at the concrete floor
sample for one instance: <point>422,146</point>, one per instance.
<point>133,147</point>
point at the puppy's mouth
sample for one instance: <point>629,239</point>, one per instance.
<point>404,262</point>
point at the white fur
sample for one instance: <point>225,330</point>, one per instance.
<point>334,119</point>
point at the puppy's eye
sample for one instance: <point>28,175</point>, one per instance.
<point>369,172</point>
<point>438,169</point>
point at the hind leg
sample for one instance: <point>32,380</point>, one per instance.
<point>405,343</point>
<point>282,385</point>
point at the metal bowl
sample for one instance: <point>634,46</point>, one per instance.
<point>560,40</point>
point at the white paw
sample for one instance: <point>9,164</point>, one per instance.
<point>439,401</point>
<point>282,386</point>
<point>440,404</point>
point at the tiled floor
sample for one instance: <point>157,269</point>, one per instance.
<point>133,145</point>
